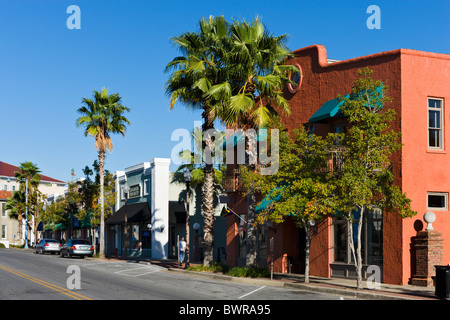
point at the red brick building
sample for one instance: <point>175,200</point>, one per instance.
<point>419,85</point>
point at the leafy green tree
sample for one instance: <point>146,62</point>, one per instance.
<point>100,118</point>
<point>299,189</point>
<point>364,180</point>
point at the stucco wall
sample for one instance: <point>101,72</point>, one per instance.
<point>424,75</point>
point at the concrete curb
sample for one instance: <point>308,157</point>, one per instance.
<point>350,293</point>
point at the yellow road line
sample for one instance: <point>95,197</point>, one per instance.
<point>65,291</point>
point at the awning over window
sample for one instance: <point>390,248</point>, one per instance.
<point>267,201</point>
<point>328,110</point>
<point>136,212</point>
<point>332,108</point>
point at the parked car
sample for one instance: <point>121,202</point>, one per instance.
<point>77,247</point>
<point>47,245</point>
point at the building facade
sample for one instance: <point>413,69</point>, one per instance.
<point>11,233</point>
<point>419,85</point>
<point>155,213</point>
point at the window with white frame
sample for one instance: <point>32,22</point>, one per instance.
<point>3,231</point>
<point>146,186</point>
<point>435,123</point>
<point>437,201</point>
<point>3,208</point>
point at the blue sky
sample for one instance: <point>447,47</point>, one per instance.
<point>124,45</point>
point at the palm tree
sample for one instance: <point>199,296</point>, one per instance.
<point>29,177</point>
<point>233,73</point>
<point>194,73</point>
<point>102,117</point>
<point>256,77</point>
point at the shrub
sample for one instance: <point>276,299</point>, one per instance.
<point>2,245</point>
<point>234,272</point>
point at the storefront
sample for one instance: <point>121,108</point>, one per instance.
<point>137,240</point>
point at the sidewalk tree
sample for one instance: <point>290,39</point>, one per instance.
<point>253,93</point>
<point>299,189</point>
<point>100,118</point>
<point>364,180</point>
<point>29,178</point>
<point>232,72</point>
<point>201,67</point>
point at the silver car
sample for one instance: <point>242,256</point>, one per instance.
<point>77,247</point>
<point>47,245</point>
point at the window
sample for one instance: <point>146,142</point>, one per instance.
<point>146,187</point>
<point>3,209</point>
<point>437,201</point>
<point>435,123</point>
<point>371,238</point>
<point>296,78</point>
<point>3,231</point>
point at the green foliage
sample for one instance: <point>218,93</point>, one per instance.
<point>251,272</point>
<point>2,245</point>
<point>365,179</point>
<point>300,186</point>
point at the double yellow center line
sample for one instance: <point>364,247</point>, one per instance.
<point>65,291</point>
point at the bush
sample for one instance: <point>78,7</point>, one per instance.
<point>234,272</point>
<point>2,245</point>
<point>253,272</point>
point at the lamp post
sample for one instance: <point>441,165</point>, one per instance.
<point>26,214</point>
<point>71,218</point>
<point>126,189</point>
<point>187,179</point>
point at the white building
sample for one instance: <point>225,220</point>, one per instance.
<point>9,232</point>
<point>156,214</point>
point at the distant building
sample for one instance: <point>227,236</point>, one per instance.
<point>10,232</point>
<point>156,214</point>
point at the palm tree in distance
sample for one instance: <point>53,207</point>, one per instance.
<point>29,177</point>
<point>100,118</point>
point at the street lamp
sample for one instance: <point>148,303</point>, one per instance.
<point>187,179</point>
<point>126,189</point>
<point>26,214</point>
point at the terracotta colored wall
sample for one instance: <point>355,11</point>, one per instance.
<point>412,76</point>
<point>320,254</point>
<point>424,75</point>
<point>322,82</point>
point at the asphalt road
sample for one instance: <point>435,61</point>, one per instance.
<point>28,276</point>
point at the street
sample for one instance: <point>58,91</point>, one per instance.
<point>29,276</point>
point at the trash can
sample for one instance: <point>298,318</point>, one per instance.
<point>442,282</point>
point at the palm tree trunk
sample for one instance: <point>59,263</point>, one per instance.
<point>251,254</point>
<point>251,251</point>
<point>208,205</point>
<point>101,163</point>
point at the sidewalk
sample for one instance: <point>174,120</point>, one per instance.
<point>337,286</point>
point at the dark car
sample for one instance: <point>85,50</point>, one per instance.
<point>47,245</point>
<point>77,247</point>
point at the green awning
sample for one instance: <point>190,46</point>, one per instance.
<point>237,138</point>
<point>329,109</point>
<point>332,108</point>
<point>267,201</point>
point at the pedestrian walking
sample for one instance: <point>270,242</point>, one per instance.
<point>182,249</point>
